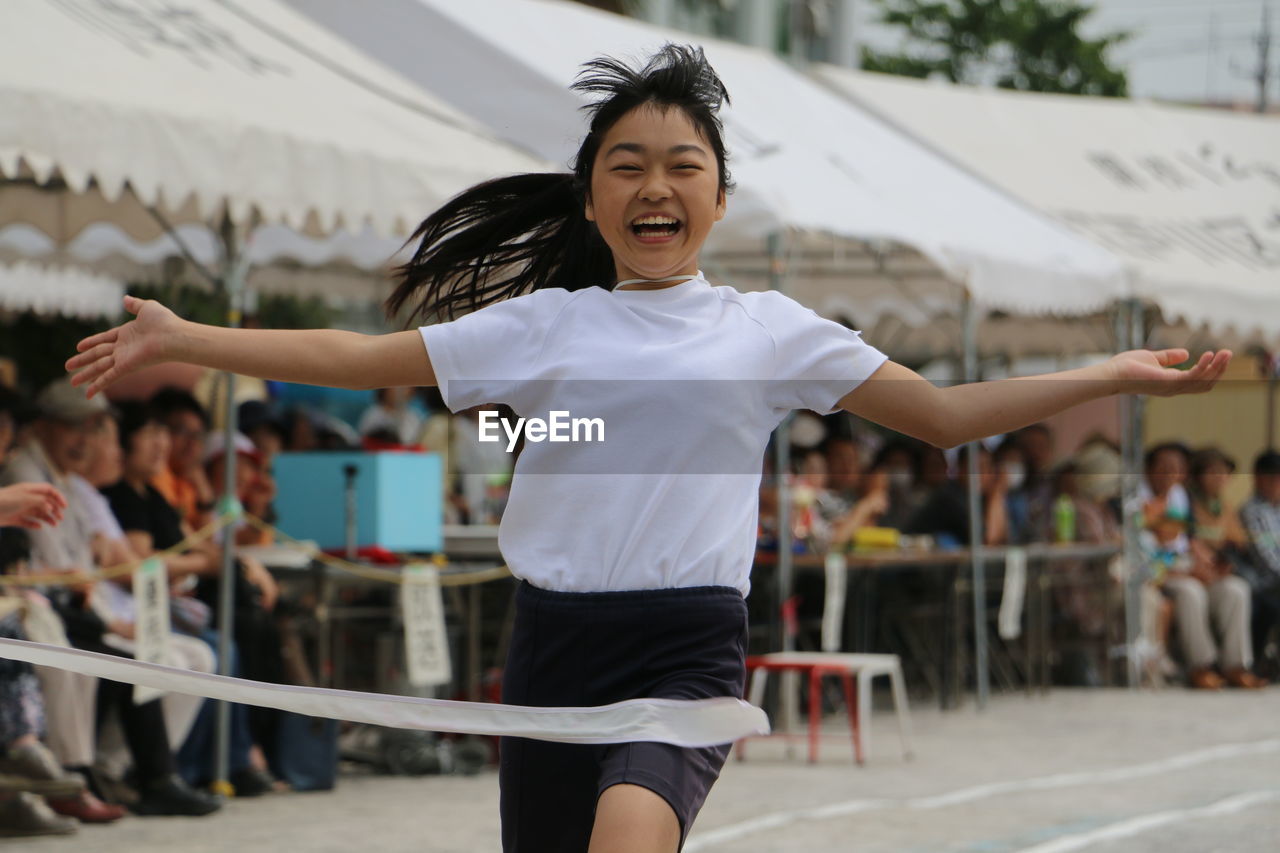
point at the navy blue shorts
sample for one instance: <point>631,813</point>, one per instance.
<point>596,648</point>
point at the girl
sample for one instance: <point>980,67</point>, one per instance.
<point>585,296</point>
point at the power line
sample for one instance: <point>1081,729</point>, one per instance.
<point>1262,71</point>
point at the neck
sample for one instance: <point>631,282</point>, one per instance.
<point>631,280</point>
<point>138,484</point>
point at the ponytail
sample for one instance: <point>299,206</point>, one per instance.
<point>500,239</point>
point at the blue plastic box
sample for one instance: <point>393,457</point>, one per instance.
<point>398,498</point>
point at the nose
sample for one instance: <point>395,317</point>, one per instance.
<point>655,187</point>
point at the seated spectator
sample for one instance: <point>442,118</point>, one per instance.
<point>871,502</point>
<point>844,470</point>
<point>394,412</point>
<point>1079,517</point>
<point>945,515</point>
<point>1213,519</point>
<point>812,502</point>
<point>56,451</point>
<point>261,424</point>
<point>1260,517</point>
<point>152,526</point>
<point>1038,452</point>
<point>182,481</point>
<point>135,451</point>
<point>27,764</point>
<point>256,632</point>
<point>1166,504</point>
<point>1209,598</point>
<point>483,469</point>
<point>899,462</point>
<point>1010,459</point>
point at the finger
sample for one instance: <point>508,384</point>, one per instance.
<point>89,374</point>
<point>133,304</point>
<point>103,381</point>
<point>90,355</point>
<point>91,371</point>
<point>107,337</point>
<point>1170,357</point>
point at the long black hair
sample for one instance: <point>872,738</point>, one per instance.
<point>512,235</point>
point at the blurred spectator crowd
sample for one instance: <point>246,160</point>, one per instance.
<point>89,486</point>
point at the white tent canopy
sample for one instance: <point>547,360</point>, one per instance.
<point>133,112</point>
<point>1187,198</point>
<point>861,200</point>
<point>26,286</point>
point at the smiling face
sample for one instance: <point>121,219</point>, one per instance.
<point>655,193</point>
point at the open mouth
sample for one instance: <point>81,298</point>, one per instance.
<point>655,228</point>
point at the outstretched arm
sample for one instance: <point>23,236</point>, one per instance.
<point>902,400</point>
<point>315,356</point>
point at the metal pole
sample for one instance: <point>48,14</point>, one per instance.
<point>1130,501</point>
<point>782,465</point>
<point>1130,335</point>
<point>236,256</point>
<point>976,564</point>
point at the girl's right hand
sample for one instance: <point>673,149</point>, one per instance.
<point>31,505</point>
<point>150,338</point>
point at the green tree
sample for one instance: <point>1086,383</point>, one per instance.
<point>1034,45</point>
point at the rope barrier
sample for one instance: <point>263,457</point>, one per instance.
<point>121,569</point>
<point>231,512</point>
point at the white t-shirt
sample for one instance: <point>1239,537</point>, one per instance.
<point>689,382</point>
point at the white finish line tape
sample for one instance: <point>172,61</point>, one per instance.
<point>692,723</point>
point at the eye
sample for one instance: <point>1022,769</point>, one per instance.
<point>693,166</point>
<point>626,168</point>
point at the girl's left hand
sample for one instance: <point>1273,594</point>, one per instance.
<point>1148,372</point>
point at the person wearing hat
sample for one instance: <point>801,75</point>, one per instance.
<point>56,453</point>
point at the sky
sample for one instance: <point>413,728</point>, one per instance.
<point>1187,50</point>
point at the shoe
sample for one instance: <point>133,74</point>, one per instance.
<point>87,808</point>
<point>33,768</point>
<point>49,787</point>
<point>26,814</point>
<point>172,796</point>
<point>1205,679</point>
<point>251,782</point>
<point>1245,679</point>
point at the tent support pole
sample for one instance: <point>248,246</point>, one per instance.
<point>236,267</point>
<point>789,708</point>
<point>977,566</point>
<point>782,464</point>
<point>1132,335</point>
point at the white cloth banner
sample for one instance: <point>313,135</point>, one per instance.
<point>151,627</point>
<point>685,723</point>
<point>426,646</point>
<point>836,568</point>
<point>1015,588</point>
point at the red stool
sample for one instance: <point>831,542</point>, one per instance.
<point>758,666</point>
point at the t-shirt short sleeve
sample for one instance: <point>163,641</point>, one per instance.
<point>817,361</point>
<point>130,508</point>
<point>482,357</point>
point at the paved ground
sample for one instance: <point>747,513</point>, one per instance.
<point>1106,771</point>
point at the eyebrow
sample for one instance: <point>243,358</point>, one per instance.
<point>637,148</point>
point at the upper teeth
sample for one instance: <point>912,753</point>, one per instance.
<point>655,220</point>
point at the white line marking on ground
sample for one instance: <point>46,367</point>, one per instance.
<point>1144,823</point>
<point>720,835</point>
